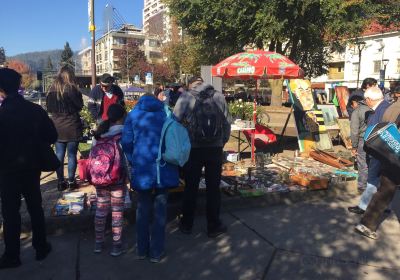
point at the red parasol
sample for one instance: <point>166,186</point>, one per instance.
<point>257,64</point>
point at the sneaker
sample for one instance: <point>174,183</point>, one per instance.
<point>116,250</point>
<point>363,230</point>
<point>221,229</point>
<point>41,254</point>
<point>356,210</point>
<point>62,186</point>
<point>98,247</point>
<point>9,263</point>
<point>72,185</point>
<point>158,259</point>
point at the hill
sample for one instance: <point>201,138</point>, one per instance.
<point>38,60</point>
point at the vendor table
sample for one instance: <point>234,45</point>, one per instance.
<point>239,129</point>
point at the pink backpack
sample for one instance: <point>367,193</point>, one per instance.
<point>104,167</point>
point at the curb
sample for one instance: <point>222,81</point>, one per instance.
<point>85,221</point>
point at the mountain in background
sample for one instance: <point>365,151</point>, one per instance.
<point>37,61</point>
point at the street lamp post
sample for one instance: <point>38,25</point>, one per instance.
<point>360,46</point>
<point>383,73</point>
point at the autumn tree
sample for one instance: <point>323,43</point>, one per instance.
<point>132,60</point>
<point>24,70</point>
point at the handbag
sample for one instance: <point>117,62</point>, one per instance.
<point>48,159</point>
<point>382,141</point>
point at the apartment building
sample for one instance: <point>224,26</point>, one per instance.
<point>156,21</point>
<point>111,44</point>
<point>375,54</point>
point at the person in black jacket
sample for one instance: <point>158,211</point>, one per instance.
<point>64,102</point>
<point>24,126</point>
<point>102,96</point>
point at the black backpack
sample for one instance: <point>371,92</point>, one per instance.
<point>207,119</point>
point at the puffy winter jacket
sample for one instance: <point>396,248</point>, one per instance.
<point>140,141</point>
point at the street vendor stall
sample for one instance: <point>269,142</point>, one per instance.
<point>133,93</point>
<point>257,64</point>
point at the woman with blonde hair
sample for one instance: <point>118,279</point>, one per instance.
<point>64,102</point>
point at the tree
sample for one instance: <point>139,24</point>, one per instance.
<point>49,65</point>
<point>66,56</point>
<point>24,70</point>
<point>2,56</point>
<point>132,60</point>
<point>306,31</point>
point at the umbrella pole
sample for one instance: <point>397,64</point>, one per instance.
<point>254,120</point>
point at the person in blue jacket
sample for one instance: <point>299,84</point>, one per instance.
<point>140,142</point>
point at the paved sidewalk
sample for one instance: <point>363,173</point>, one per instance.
<point>306,240</point>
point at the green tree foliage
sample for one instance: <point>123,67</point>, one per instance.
<point>49,64</point>
<point>2,56</point>
<point>306,31</point>
<point>388,12</point>
<point>67,56</point>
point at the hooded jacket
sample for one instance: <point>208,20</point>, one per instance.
<point>358,123</point>
<point>185,105</point>
<point>140,141</point>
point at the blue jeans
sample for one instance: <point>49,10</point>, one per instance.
<point>151,230</point>
<point>72,149</point>
<point>374,168</point>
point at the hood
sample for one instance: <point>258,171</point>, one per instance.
<point>113,130</point>
<point>203,89</point>
<point>150,104</point>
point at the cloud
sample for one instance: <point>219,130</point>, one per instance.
<point>84,43</point>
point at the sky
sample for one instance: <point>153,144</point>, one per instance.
<point>40,25</point>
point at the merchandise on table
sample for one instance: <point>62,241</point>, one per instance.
<point>285,174</point>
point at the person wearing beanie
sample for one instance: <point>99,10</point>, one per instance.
<point>24,126</point>
<point>102,96</point>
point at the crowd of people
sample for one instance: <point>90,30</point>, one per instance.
<point>133,140</point>
<point>377,178</point>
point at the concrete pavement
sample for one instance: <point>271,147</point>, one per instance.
<point>305,240</point>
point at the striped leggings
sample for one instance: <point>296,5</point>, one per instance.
<point>110,197</point>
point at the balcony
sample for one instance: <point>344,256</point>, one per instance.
<point>336,76</point>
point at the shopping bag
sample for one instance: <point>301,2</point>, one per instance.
<point>382,141</point>
<point>82,169</point>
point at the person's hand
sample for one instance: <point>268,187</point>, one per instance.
<point>354,152</point>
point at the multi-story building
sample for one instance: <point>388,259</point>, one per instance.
<point>111,44</point>
<point>156,21</point>
<point>379,58</point>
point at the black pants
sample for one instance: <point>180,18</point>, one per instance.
<point>389,181</point>
<point>211,159</point>
<point>12,186</point>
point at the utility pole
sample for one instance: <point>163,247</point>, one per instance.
<point>92,29</point>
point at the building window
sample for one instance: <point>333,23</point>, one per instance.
<point>154,43</point>
<point>398,65</point>
<point>355,68</point>
<point>377,66</point>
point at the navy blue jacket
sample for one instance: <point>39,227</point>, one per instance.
<point>374,165</point>
<point>141,140</point>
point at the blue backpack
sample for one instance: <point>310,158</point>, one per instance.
<point>175,139</point>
